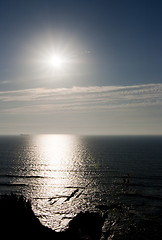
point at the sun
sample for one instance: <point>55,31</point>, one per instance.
<point>53,63</point>
<point>56,61</point>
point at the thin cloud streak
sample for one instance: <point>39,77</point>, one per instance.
<point>94,98</point>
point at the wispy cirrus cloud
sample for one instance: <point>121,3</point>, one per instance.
<point>92,98</point>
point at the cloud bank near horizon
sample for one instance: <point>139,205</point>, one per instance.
<point>92,98</point>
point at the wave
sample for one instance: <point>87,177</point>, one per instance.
<point>12,184</point>
<point>20,176</point>
<point>139,195</point>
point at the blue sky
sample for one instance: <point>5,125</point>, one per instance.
<point>110,77</point>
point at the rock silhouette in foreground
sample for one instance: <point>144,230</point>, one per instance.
<point>17,220</point>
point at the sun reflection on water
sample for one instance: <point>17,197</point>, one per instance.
<point>56,150</point>
<point>58,162</point>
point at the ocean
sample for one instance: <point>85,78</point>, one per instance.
<point>65,174</point>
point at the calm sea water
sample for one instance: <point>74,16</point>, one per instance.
<point>65,174</point>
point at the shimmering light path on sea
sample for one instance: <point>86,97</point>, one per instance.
<point>65,174</point>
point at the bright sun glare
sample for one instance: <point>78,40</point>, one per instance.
<point>56,61</point>
<point>53,63</point>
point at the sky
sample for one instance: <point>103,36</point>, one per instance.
<point>81,67</point>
